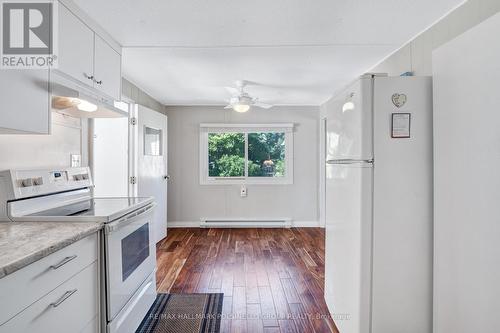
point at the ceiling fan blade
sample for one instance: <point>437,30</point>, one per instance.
<point>263,105</point>
<point>232,90</point>
<point>251,83</point>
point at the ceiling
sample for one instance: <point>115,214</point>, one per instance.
<point>183,52</point>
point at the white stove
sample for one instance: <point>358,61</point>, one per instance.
<point>104,210</point>
<point>128,252</point>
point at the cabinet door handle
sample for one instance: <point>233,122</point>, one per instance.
<point>90,77</point>
<point>63,262</point>
<point>98,82</point>
<point>63,298</point>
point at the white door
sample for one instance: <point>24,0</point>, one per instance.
<point>110,158</point>
<point>152,164</point>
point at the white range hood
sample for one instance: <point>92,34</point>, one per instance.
<point>74,99</point>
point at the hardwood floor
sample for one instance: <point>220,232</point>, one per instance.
<point>272,279</point>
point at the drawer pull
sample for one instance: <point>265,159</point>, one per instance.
<point>63,298</point>
<point>63,262</point>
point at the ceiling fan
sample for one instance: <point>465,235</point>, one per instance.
<point>241,101</point>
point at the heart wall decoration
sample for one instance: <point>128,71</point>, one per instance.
<point>399,100</point>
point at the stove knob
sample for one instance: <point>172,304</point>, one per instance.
<point>38,181</point>
<point>27,182</point>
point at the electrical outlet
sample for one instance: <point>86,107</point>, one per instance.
<point>76,160</point>
<point>243,191</point>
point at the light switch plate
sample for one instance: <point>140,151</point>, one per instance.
<point>76,160</point>
<point>243,191</point>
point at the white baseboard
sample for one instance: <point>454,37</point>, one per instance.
<point>306,224</point>
<point>183,224</point>
<point>196,224</point>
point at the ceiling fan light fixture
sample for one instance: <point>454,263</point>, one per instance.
<point>241,108</point>
<point>241,101</point>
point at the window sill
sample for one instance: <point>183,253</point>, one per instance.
<point>247,181</point>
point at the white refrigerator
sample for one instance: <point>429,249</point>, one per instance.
<point>378,270</point>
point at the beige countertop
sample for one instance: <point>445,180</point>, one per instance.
<point>22,243</point>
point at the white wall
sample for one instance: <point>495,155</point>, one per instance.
<point>41,151</point>
<point>416,56</point>
<point>188,201</point>
<point>132,93</point>
<point>466,230</point>
<point>467,181</point>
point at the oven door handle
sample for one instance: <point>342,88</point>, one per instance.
<point>129,218</point>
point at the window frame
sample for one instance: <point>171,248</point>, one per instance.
<point>160,141</point>
<point>205,129</point>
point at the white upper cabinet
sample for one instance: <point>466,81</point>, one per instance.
<point>76,47</point>
<point>86,61</point>
<point>107,69</point>
<point>24,96</point>
<point>87,57</point>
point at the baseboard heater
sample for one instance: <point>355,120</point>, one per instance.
<point>246,223</point>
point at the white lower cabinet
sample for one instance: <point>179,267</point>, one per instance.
<point>68,308</point>
<point>59,293</point>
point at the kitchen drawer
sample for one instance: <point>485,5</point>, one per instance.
<point>25,286</point>
<point>68,308</point>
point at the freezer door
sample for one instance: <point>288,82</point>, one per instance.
<point>348,245</point>
<point>349,131</point>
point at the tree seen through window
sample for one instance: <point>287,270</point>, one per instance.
<point>266,154</point>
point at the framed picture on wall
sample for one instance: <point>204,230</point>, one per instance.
<point>400,126</point>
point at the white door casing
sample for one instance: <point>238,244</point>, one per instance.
<point>152,164</point>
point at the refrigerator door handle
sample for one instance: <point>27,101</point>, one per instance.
<point>349,161</point>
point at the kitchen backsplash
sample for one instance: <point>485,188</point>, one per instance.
<point>69,136</point>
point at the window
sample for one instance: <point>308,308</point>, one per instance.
<point>152,141</point>
<point>246,154</point>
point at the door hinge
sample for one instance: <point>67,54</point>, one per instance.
<point>133,121</point>
<point>133,180</point>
